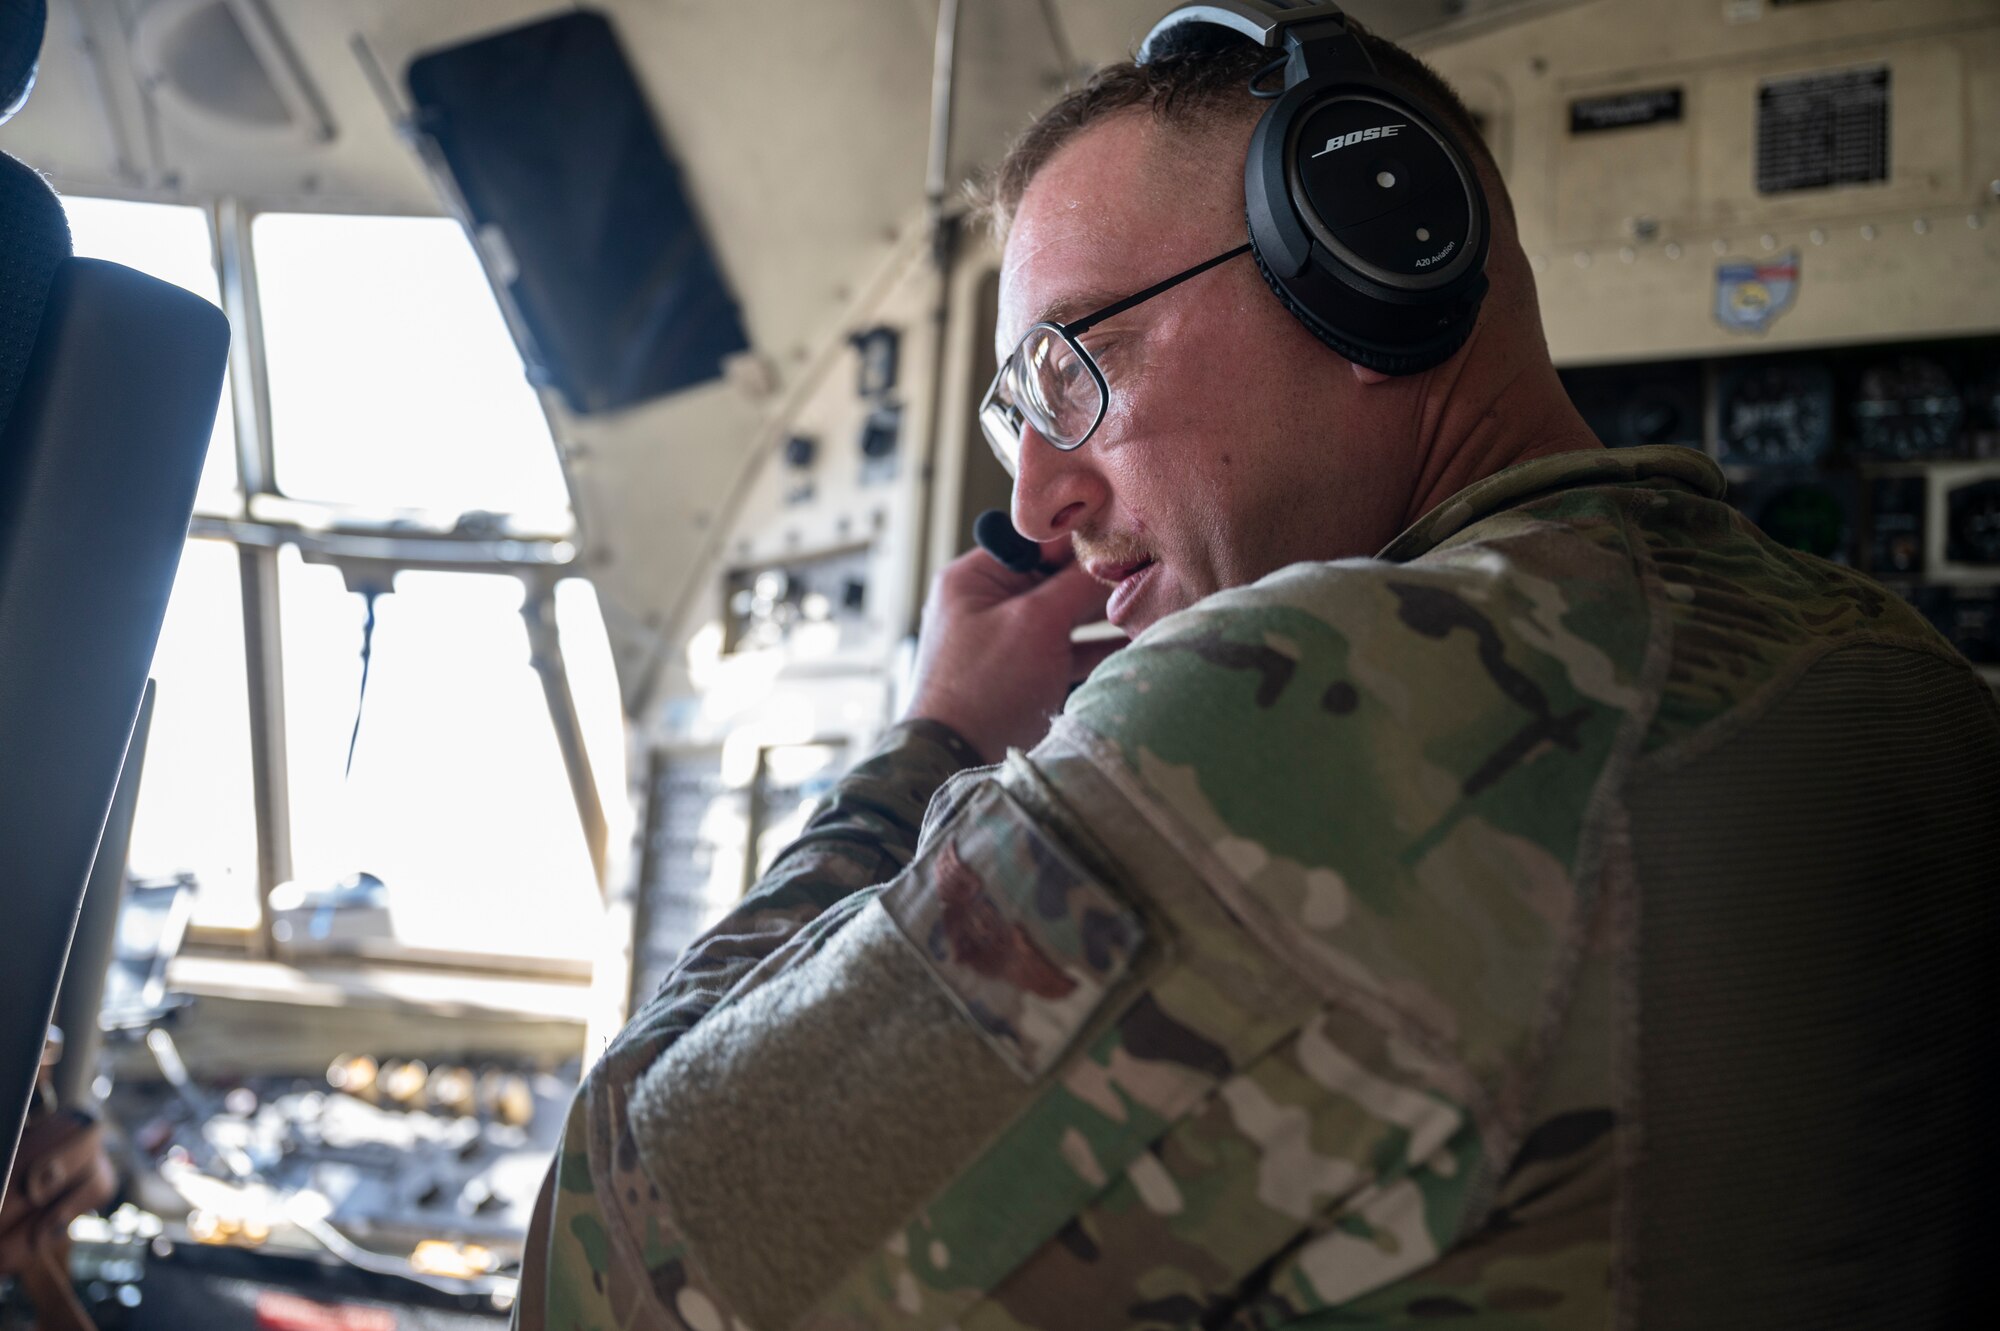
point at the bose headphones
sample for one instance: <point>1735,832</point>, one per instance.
<point>1365,216</point>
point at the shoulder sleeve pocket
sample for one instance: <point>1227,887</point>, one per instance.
<point>1024,941</point>
<point>796,1127</point>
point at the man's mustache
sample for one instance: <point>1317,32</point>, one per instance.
<point>1109,548</point>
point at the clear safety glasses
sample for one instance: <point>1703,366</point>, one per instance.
<point>1051,383</point>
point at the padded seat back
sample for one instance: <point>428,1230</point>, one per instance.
<point>109,381</point>
<point>36,239</point>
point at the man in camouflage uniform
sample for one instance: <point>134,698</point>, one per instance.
<point>1564,918</point>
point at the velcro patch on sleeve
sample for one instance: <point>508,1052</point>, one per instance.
<point>1024,940</point>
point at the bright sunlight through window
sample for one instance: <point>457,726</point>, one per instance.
<point>170,242</point>
<point>394,383</point>
<point>457,799</point>
<point>195,812</point>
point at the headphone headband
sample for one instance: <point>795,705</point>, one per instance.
<point>1365,215</point>
<point>1262,21</point>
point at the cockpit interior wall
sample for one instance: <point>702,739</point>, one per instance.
<point>783,660</point>
<point>759,542</point>
<point>804,146</point>
<point>1699,177</point>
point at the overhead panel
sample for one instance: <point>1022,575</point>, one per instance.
<point>582,219</point>
<point>1919,86</point>
<point>261,100</point>
<point>1637,132</point>
<point>1692,178</point>
<point>1012,60</point>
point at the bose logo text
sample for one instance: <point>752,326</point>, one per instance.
<point>1360,136</point>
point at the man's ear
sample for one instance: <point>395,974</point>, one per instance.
<point>1366,375</point>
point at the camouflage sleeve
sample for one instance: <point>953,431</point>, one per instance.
<point>1396,784</point>
<point>860,836</point>
<point>578,1271</point>
<point>1230,1004</point>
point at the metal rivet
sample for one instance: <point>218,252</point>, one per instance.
<point>1423,233</point>
<point>1583,258</point>
<point>1627,253</point>
<point>1868,232</point>
<point>1721,245</point>
<point>1673,249</point>
<point>1818,234</point>
<point>1921,226</point>
<point>1386,179</point>
<point>1972,220</point>
<point>1768,241</point>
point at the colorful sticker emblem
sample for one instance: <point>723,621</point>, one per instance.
<point>1748,296</point>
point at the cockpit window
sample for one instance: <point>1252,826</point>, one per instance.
<point>394,383</point>
<point>196,812</point>
<point>456,798</point>
<point>170,242</point>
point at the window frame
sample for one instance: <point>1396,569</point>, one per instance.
<point>265,521</point>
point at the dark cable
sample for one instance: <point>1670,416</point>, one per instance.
<point>1268,94</point>
<point>367,650</point>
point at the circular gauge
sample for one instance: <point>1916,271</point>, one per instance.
<point>1972,523</point>
<point>1896,524</point>
<point>1777,415</point>
<point>1982,400</point>
<point>1656,416</point>
<point>1907,408</point>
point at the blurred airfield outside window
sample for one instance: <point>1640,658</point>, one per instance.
<point>457,799</point>
<point>394,386</point>
<point>394,383</point>
<point>196,809</point>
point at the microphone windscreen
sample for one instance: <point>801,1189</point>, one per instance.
<point>994,531</point>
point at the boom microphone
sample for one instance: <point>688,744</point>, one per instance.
<point>996,536</point>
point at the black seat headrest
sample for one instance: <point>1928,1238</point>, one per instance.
<point>22,23</point>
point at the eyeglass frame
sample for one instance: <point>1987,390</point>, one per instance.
<point>1069,333</point>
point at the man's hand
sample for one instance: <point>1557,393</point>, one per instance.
<point>994,660</point>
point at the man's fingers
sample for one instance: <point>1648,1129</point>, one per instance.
<point>979,578</point>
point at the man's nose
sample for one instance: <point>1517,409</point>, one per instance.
<point>1055,492</point>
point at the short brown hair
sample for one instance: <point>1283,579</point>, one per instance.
<point>1198,80</point>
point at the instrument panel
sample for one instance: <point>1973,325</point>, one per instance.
<point>1886,458</point>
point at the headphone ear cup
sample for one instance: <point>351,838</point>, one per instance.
<point>1376,241</point>
<point>1374,358</point>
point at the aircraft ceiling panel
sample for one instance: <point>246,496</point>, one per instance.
<point>1105,30</point>
<point>1015,57</point>
<point>262,99</point>
<point>803,180</point>
<point>1012,60</point>
<point>67,128</point>
<point>1101,32</point>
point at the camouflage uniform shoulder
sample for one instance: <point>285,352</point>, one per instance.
<point>1396,776</point>
<point>1435,632</point>
<point>1740,616</point>
<point>1426,736</point>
